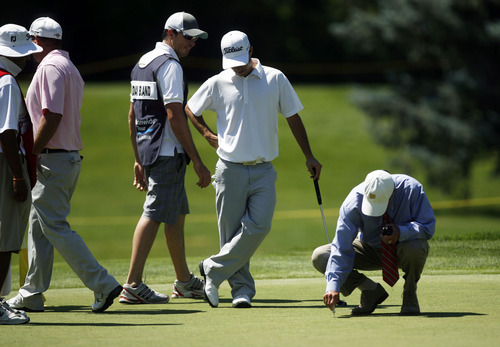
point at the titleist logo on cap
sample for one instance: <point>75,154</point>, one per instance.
<point>228,50</point>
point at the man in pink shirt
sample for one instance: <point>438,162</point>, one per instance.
<point>53,100</point>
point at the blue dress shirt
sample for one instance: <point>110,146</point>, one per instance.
<point>409,209</point>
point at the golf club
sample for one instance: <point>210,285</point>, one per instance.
<point>320,203</point>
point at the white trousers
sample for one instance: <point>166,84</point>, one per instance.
<point>245,202</point>
<point>57,176</point>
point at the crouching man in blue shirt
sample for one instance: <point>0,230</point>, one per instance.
<point>384,212</point>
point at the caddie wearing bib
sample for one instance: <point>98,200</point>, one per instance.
<point>163,145</point>
<point>247,98</point>
<point>15,196</point>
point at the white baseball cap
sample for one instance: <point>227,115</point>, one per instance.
<point>378,189</point>
<point>185,23</point>
<point>46,27</point>
<point>15,41</point>
<point>235,49</point>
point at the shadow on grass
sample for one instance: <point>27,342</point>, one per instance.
<point>140,310</point>
<point>99,324</point>
<point>279,303</point>
<point>379,313</point>
<point>151,312</point>
<point>421,315</point>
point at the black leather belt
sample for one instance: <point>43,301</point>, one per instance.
<point>55,150</point>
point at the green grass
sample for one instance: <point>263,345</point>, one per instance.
<point>286,312</point>
<point>458,257</point>
<point>105,207</point>
<point>457,292</point>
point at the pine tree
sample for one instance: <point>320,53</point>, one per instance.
<point>441,106</point>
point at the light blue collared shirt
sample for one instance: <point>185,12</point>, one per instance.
<point>409,209</point>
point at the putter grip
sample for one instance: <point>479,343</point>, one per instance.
<point>318,194</point>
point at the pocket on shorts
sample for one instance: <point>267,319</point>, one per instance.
<point>180,162</point>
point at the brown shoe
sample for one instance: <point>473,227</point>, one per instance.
<point>369,301</point>
<point>410,305</point>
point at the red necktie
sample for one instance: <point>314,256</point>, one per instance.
<point>389,258</point>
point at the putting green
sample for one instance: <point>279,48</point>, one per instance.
<point>456,310</point>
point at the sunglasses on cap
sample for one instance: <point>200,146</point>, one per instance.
<point>188,37</point>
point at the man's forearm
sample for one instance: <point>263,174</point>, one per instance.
<point>48,127</point>
<point>300,134</point>
<point>199,123</point>
<point>180,128</point>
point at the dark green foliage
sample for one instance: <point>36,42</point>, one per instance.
<point>442,107</point>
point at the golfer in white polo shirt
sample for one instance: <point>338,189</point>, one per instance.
<point>247,98</point>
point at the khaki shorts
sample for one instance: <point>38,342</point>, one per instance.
<point>166,198</point>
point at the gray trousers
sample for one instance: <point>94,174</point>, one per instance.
<point>245,202</point>
<point>57,176</point>
<point>411,260</point>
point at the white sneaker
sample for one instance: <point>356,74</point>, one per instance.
<point>8,316</point>
<point>142,294</point>
<point>190,289</point>
<point>241,301</point>
<point>211,292</point>
<point>100,306</point>
<point>6,305</point>
<point>32,304</point>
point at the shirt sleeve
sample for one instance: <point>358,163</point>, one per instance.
<point>52,84</point>
<point>289,103</point>
<point>342,252</point>
<point>10,103</point>
<point>202,99</point>
<point>422,222</point>
<point>171,82</point>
